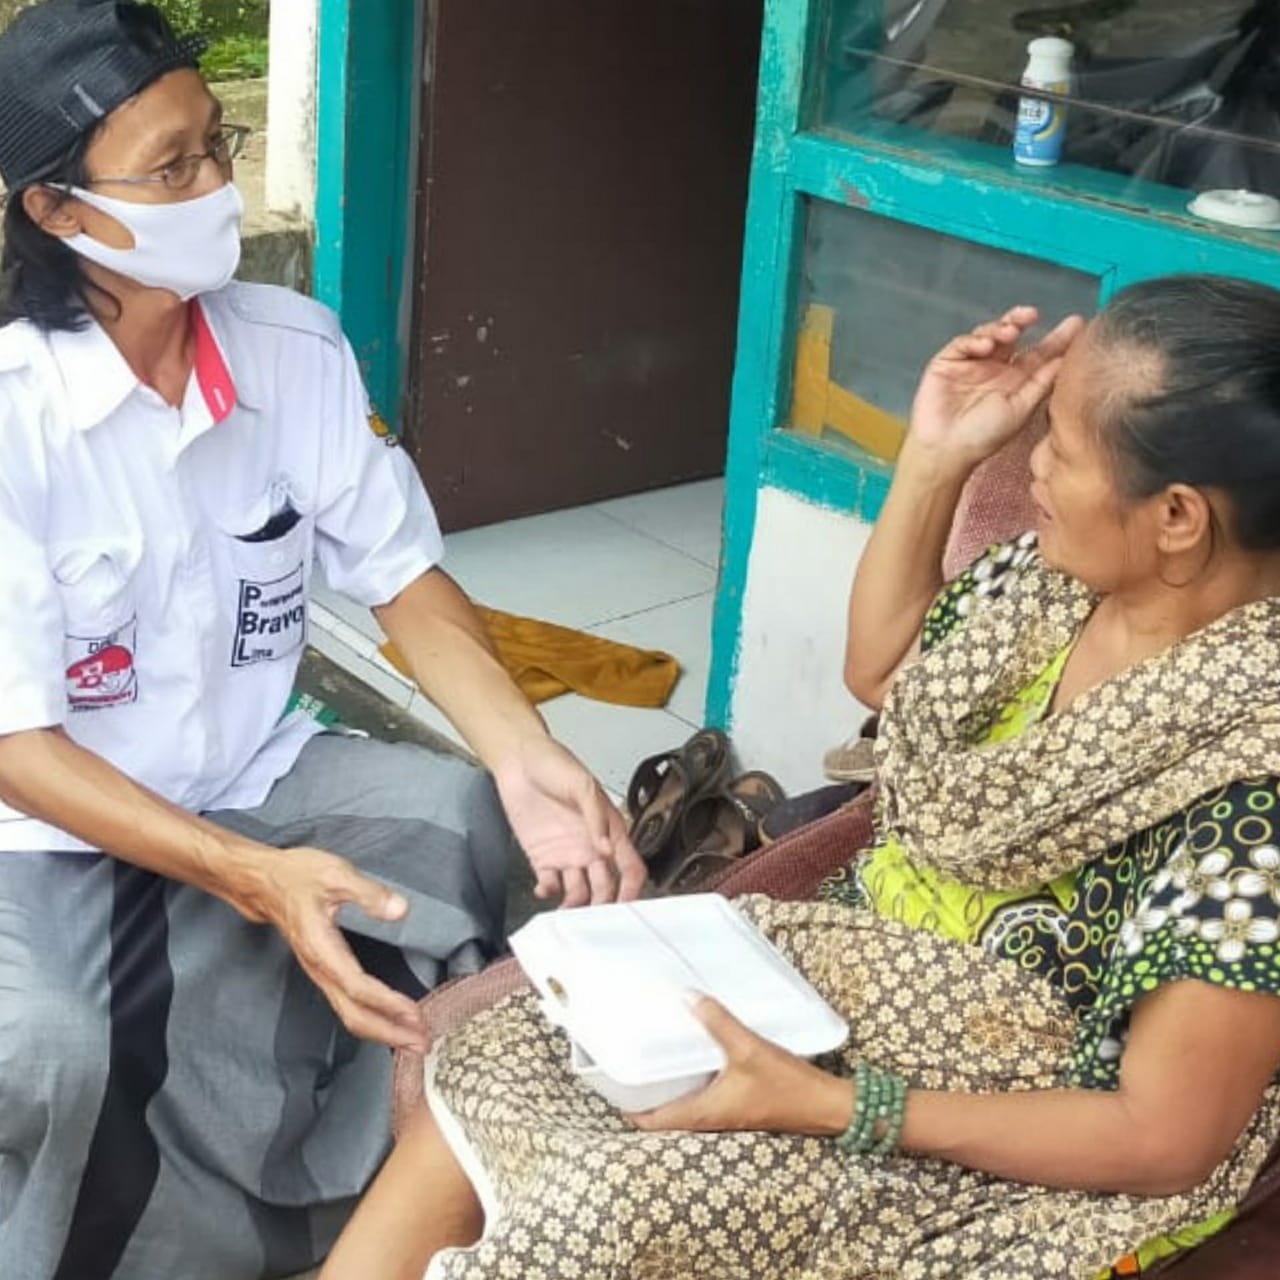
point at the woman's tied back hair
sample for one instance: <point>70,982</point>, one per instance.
<point>1189,394</point>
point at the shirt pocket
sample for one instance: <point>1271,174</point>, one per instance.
<point>96,582</point>
<point>268,550</point>
<point>97,585</point>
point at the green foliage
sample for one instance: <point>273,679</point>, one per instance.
<point>237,31</point>
<point>236,58</point>
<point>236,17</point>
<point>184,15</point>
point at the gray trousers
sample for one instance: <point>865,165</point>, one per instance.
<point>177,1100</point>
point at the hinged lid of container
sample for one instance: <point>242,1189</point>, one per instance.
<point>616,978</point>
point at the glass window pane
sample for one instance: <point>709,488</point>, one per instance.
<point>879,298</point>
<point>1162,94</point>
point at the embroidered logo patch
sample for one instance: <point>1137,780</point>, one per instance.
<point>378,425</point>
<point>100,669</point>
<point>271,619</point>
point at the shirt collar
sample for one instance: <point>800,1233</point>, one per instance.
<point>95,376</point>
<point>98,380</point>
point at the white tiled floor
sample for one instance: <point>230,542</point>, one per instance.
<point>641,570</point>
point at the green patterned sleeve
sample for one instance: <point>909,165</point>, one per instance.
<point>982,583</point>
<point>1207,907</point>
<point>1212,911</point>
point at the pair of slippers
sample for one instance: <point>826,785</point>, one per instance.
<point>689,819</point>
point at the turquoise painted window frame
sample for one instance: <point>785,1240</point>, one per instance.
<point>365,112</point>
<point>952,187</point>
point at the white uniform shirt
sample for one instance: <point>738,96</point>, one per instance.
<point>154,561</point>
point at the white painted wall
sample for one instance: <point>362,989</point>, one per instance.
<point>291,108</point>
<point>789,701</point>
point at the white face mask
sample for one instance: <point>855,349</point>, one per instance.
<point>189,247</point>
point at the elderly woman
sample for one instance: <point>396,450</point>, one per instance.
<point>1058,960</point>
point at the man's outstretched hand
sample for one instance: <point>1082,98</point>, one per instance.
<point>573,835</point>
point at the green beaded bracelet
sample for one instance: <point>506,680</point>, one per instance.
<point>850,1141</point>
<point>877,1095</point>
<point>892,1136</point>
<point>884,1120</point>
<point>879,1100</point>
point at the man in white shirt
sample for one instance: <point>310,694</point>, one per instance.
<point>188,872</point>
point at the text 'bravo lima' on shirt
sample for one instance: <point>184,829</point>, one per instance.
<point>157,559</point>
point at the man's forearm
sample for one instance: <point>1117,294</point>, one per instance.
<point>443,641</point>
<point>47,776</point>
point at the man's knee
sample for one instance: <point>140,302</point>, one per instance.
<point>457,794</point>
<point>52,1041</point>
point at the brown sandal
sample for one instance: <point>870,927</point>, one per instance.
<point>718,829</point>
<point>664,785</point>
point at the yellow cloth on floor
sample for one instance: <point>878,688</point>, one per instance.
<point>546,660</point>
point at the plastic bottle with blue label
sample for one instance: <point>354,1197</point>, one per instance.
<point>1042,124</point>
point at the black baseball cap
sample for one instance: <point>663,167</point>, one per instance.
<point>65,64</point>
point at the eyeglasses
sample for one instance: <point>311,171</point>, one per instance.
<point>183,172</point>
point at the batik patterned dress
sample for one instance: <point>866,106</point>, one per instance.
<point>1197,896</point>
<point>955,988</point>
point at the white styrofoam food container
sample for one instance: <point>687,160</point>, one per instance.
<point>618,978</point>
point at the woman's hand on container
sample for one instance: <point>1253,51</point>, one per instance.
<point>761,1088</point>
<point>300,892</point>
<point>980,390</point>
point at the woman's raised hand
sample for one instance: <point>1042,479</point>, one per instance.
<point>980,390</point>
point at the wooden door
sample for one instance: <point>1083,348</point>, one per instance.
<point>580,219</point>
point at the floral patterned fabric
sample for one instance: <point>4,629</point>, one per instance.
<point>1127,754</point>
<point>584,1196</point>
<point>978,786</point>
<point>1196,895</point>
